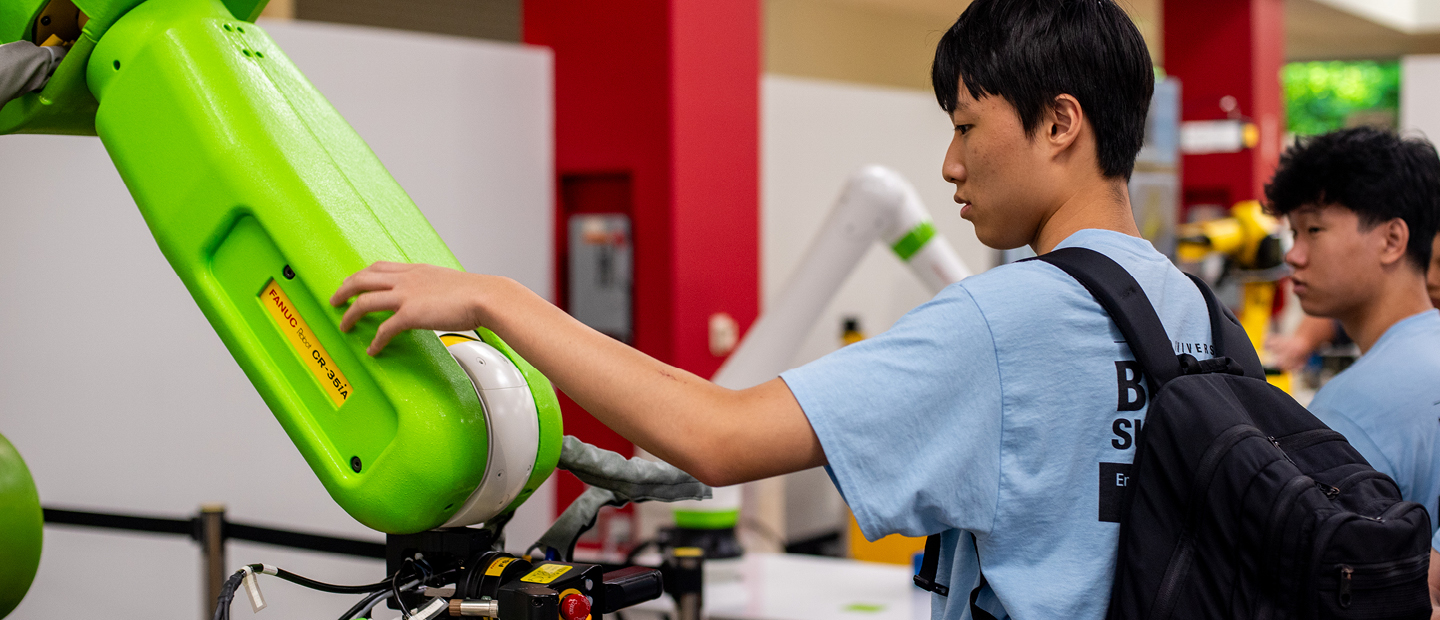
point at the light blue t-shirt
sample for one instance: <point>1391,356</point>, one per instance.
<point>1006,408</point>
<point>1388,405</point>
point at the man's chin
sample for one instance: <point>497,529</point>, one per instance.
<point>997,240</point>
<point>1314,308</point>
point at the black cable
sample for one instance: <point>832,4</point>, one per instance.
<point>375,592</point>
<point>227,591</point>
<point>365,613</point>
<point>227,595</point>
<point>425,578</point>
<point>322,586</point>
<point>375,598</point>
<point>404,613</point>
<point>638,549</point>
<point>366,604</point>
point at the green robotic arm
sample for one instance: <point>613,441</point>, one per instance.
<point>263,200</point>
<point>21,523</point>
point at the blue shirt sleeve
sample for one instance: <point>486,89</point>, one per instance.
<point>1358,438</point>
<point>910,420</point>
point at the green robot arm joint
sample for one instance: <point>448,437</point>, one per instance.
<point>262,198</point>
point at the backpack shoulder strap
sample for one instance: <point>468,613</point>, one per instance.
<point>1125,301</point>
<point>929,566</point>
<point>925,580</point>
<point>1229,338</point>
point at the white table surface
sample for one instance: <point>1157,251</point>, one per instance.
<point>777,586</point>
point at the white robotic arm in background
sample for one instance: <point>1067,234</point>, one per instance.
<point>877,204</point>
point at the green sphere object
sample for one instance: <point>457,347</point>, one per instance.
<point>21,528</point>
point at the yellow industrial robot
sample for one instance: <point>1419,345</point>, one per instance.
<point>1253,250</point>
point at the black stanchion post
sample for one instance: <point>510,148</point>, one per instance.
<point>684,570</point>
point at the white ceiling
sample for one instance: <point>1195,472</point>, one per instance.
<point>1315,29</point>
<point>1407,16</point>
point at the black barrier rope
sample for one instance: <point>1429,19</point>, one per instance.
<point>230,531</point>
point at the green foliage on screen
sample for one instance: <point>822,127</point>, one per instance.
<point>1323,96</point>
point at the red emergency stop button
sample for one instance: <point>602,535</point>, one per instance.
<point>574,607</point>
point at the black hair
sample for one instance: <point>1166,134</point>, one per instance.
<point>1377,174</point>
<point>1032,51</point>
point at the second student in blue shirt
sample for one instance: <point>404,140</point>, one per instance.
<point>1364,206</point>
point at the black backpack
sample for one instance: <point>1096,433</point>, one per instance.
<point>1240,503</point>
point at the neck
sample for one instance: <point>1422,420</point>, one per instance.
<point>1404,296</point>
<point>1102,203</point>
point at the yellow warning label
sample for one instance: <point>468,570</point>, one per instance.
<point>498,566</point>
<point>546,573</point>
<point>449,339</point>
<point>306,345</point>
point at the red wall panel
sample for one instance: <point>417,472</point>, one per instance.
<point>1236,48</point>
<point>667,92</point>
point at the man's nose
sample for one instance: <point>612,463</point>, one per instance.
<point>952,170</point>
<point>1295,257</point>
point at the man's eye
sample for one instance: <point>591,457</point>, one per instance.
<point>963,129</point>
<point>1313,229</point>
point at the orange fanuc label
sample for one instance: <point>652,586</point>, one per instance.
<point>306,345</point>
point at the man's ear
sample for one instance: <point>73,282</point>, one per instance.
<point>1063,121</point>
<point>1395,237</point>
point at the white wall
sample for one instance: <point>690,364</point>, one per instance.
<point>814,134</point>
<point>121,398</point>
<point>1420,95</point>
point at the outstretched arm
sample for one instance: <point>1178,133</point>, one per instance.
<point>718,435</point>
<point>1292,351</point>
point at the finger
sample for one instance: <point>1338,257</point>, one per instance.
<point>388,330</point>
<point>363,281</point>
<point>374,301</point>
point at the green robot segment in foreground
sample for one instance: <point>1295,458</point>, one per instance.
<point>263,200</point>
<point>20,528</point>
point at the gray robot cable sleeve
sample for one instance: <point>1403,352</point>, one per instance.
<point>25,67</point>
<point>636,480</point>
<point>614,481</point>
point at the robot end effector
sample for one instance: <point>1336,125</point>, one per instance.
<point>26,67</point>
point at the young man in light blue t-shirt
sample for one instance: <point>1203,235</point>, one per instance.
<point>1003,413</point>
<point>1364,205</point>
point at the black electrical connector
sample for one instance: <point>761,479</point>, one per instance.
<point>525,601</point>
<point>631,586</point>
